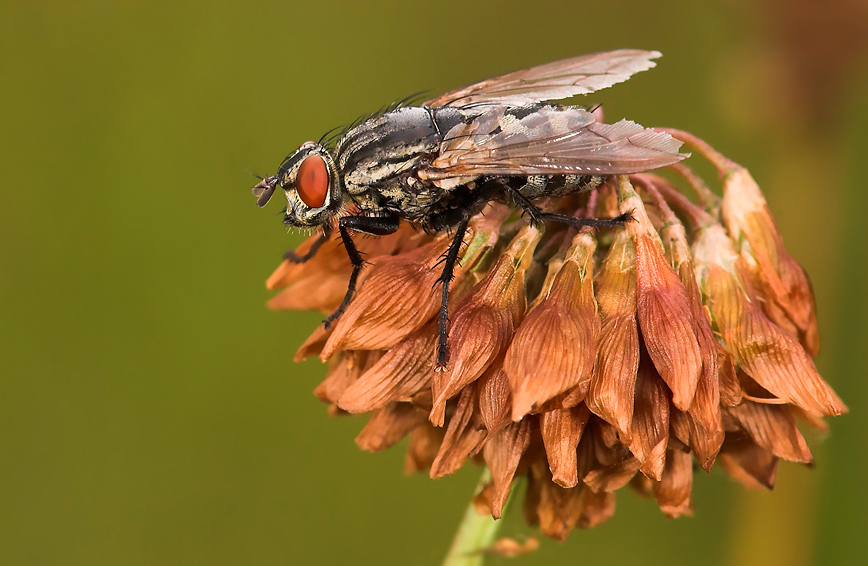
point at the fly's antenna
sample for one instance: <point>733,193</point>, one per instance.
<point>264,189</point>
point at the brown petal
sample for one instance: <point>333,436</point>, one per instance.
<point>597,507</point>
<point>389,425</point>
<point>495,405</point>
<point>464,436</point>
<point>704,412</point>
<point>753,466</point>
<point>314,344</point>
<point>765,352</point>
<point>502,455</point>
<point>559,509</point>
<point>331,257</point>
<point>772,427</point>
<point>343,372</point>
<point>323,293</point>
<point>665,314</point>
<point>612,388</point>
<point>673,490</point>
<point>400,374</point>
<point>485,321</point>
<point>780,278</point>
<point>613,477</point>
<point>554,348</point>
<point>399,295</point>
<point>731,393</point>
<point>425,441</point>
<point>650,421</point>
<point>561,432</point>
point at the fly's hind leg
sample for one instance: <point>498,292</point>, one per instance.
<point>374,225</point>
<point>538,217</point>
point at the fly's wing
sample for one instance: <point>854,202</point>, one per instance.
<point>553,81</point>
<point>549,140</point>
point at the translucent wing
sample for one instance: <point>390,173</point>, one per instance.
<point>548,140</point>
<point>553,81</point>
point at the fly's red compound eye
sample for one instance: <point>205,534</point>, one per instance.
<point>312,181</point>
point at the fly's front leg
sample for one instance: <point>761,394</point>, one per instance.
<point>374,225</point>
<point>449,261</point>
<point>294,257</point>
<point>538,216</point>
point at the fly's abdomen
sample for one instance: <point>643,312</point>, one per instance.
<point>385,147</point>
<point>550,186</point>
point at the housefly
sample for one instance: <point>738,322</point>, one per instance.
<point>438,164</point>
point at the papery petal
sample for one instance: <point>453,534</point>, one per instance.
<point>485,321</point>
<point>597,508</point>
<point>343,372</point>
<point>673,490</point>
<point>765,352</point>
<point>389,425</point>
<point>314,344</point>
<point>753,466</point>
<point>614,476</point>
<point>561,431</point>
<point>650,421</point>
<point>401,373</point>
<point>773,428</point>
<point>495,401</point>
<point>704,412</point>
<point>425,441</point>
<point>555,346</point>
<point>464,436</point>
<point>664,309</point>
<point>502,455</point>
<point>782,280</point>
<point>612,388</point>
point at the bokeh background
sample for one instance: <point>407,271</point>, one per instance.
<point>150,413</point>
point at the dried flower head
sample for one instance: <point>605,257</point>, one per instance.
<point>584,361</point>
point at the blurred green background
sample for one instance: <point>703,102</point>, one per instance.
<point>150,413</point>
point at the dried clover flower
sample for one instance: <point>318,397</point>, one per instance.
<point>583,361</point>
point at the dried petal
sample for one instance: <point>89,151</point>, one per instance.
<point>425,441</point>
<point>650,421</point>
<point>555,347</point>
<point>389,425</point>
<point>765,352</point>
<point>485,321</point>
<point>704,412</point>
<point>597,507</point>
<point>401,373</point>
<point>665,313</point>
<point>342,373</point>
<point>561,432</point>
<point>614,476</point>
<point>673,490</point>
<point>782,281</point>
<point>464,436</point>
<point>502,454</point>
<point>748,463</point>
<point>613,385</point>
<point>495,403</point>
<point>773,428</point>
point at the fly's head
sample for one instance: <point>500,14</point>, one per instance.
<point>310,180</point>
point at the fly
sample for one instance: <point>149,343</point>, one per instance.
<point>437,165</point>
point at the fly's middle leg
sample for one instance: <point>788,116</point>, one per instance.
<point>449,261</point>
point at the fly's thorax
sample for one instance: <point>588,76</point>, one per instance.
<point>391,145</point>
<point>311,181</point>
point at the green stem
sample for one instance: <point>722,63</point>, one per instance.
<point>475,534</point>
